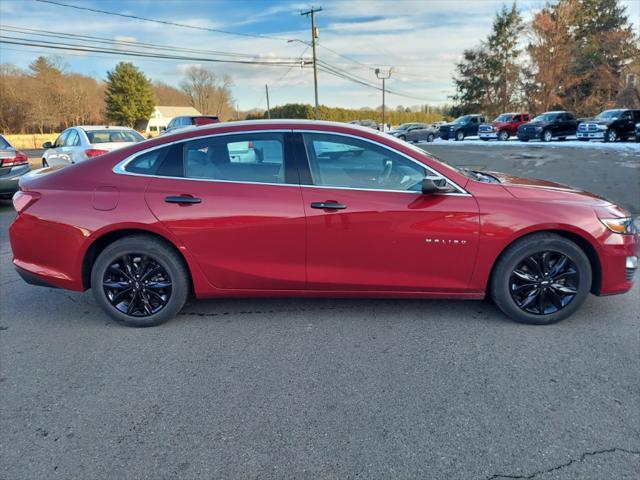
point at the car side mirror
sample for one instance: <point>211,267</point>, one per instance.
<point>47,145</point>
<point>430,187</point>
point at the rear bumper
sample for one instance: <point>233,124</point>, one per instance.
<point>9,182</point>
<point>33,279</point>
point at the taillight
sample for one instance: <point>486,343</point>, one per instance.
<point>94,152</point>
<point>19,159</point>
<point>23,200</point>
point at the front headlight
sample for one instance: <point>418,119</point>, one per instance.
<point>538,129</point>
<point>625,226</point>
<point>602,127</point>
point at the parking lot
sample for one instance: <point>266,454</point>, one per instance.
<point>323,388</point>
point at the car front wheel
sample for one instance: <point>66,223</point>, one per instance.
<point>541,279</point>
<point>430,138</point>
<point>44,163</point>
<point>610,136</point>
<point>459,135</point>
<point>140,281</point>
<point>503,136</point>
<point>547,136</point>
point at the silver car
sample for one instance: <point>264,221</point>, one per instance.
<point>76,144</point>
<point>415,132</point>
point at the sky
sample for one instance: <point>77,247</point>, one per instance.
<point>421,39</point>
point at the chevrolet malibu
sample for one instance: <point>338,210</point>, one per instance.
<point>321,210</point>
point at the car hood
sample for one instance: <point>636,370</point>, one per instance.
<point>533,189</point>
<point>536,124</point>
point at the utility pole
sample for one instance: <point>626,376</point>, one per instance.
<point>266,89</point>
<point>383,77</point>
<point>314,36</point>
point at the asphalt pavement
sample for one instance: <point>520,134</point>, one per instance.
<point>323,388</point>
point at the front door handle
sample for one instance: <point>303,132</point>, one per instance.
<point>328,205</point>
<point>182,199</point>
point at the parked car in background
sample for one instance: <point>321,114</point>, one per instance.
<point>190,120</point>
<point>610,125</point>
<point>13,165</point>
<point>415,132</point>
<point>461,127</point>
<point>503,127</point>
<point>549,125</point>
<point>366,123</point>
<point>76,144</point>
<point>391,221</point>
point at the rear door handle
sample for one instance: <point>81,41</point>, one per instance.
<point>182,199</point>
<point>328,205</point>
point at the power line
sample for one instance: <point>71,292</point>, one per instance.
<point>163,22</point>
<point>103,40</point>
<point>83,48</point>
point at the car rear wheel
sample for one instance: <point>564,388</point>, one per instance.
<point>503,136</point>
<point>430,138</point>
<point>541,279</point>
<point>547,136</point>
<point>459,135</point>
<point>402,137</point>
<point>140,281</point>
<point>610,136</point>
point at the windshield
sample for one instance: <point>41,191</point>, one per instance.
<point>503,118</point>
<point>609,114</point>
<point>464,119</point>
<point>545,117</point>
<point>113,136</point>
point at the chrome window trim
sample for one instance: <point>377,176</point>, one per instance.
<point>120,167</point>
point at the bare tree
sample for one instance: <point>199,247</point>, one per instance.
<point>208,93</point>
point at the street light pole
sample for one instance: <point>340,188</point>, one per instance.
<point>383,77</point>
<point>314,34</point>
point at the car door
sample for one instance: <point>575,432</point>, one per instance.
<point>241,219</point>
<point>55,155</point>
<point>471,127</point>
<point>72,148</point>
<point>627,124</point>
<point>369,227</point>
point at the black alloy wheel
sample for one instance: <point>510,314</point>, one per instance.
<point>140,280</point>
<point>610,135</point>
<point>137,285</point>
<point>544,283</point>
<point>541,279</point>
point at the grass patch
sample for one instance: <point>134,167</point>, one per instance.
<point>29,141</point>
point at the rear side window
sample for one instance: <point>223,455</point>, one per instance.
<point>113,136</point>
<point>4,143</point>
<point>255,158</point>
<point>147,163</point>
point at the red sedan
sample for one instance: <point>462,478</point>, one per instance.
<point>296,208</point>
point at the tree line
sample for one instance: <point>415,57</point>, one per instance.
<point>574,55</point>
<point>47,98</point>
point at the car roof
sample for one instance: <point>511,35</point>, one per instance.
<point>279,123</point>
<point>89,128</point>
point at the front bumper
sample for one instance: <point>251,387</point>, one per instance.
<point>9,182</point>
<point>589,135</point>
<point>529,136</point>
<point>616,255</point>
<point>489,135</point>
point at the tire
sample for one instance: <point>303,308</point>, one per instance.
<point>583,139</point>
<point>546,136</point>
<point>459,136</point>
<point>169,268</point>
<point>508,288</point>
<point>484,139</point>
<point>610,136</point>
<point>402,137</point>
<point>430,138</point>
<point>44,163</point>
<point>503,136</point>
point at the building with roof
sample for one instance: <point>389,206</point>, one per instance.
<point>162,115</point>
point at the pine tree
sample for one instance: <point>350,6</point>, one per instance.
<point>129,95</point>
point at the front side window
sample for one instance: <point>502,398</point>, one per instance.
<point>339,161</point>
<point>60,141</point>
<point>255,158</point>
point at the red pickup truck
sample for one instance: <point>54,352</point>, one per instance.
<point>503,127</point>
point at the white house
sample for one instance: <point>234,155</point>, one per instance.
<point>162,115</point>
